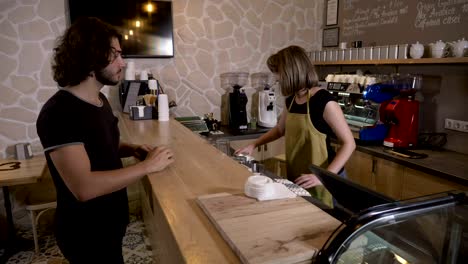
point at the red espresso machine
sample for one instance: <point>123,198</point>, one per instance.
<point>399,109</point>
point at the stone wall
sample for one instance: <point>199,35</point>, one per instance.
<point>211,37</point>
<point>28,30</point>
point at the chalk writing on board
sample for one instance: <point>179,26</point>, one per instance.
<point>373,16</point>
<point>439,13</point>
<point>350,4</point>
<point>361,17</point>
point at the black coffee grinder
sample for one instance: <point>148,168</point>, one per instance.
<point>237,108</point>
<point>237,99</point>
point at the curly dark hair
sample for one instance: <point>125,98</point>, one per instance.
<point>84,47</point>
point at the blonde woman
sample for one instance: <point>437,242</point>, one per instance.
<point>310,118</point>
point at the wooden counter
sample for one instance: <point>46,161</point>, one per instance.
<point>200,169</point>
<point>277,231</point>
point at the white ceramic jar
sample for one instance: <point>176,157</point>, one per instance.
<point>416,50</point>
<point>460,48</point>
<point>438,49</point>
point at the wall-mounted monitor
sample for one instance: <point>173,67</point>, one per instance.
<point>146,25</point>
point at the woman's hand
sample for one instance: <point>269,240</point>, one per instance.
<point>158,159</point>
<point>246,150</point>
<point>307,181</point>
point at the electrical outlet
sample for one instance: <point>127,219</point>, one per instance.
<point>456,125</point>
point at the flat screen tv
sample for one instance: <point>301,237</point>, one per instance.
<point>146,25</point>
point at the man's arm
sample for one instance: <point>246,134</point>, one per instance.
<point>73,165</point>
<point>129,150</point>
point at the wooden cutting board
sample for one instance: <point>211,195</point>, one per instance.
<point>277,231</point>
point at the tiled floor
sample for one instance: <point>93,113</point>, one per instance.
<point>136,247</point>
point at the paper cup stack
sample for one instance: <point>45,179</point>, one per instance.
<point>163,107</point>
<point>143,75</point>
<point>153,85</point>
<point>130,71</point>
<point>259,187</point>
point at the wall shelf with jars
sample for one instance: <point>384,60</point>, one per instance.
<point>450,60</point>
<point>439,52</point>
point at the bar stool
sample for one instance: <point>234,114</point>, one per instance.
<point>35,212</point>
<point>41,198</point>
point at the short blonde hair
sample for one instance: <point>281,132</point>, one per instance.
<point>294,68</point>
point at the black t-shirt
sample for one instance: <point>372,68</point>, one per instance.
<point>317,104</point>
<point>65,119</point>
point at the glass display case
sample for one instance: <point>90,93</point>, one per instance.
<point>429,229</point>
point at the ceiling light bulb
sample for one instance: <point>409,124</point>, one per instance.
<point>149,8</point>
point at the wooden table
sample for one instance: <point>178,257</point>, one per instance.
<point>179,230</point>
<point>18,172</point>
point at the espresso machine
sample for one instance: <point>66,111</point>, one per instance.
<point>237,99</point>
<point>361,115</point>
<point>398,109</point>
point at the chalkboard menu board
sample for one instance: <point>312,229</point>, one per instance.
<point>382,22</point>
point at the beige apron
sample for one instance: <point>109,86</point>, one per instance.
<point>305,145</point>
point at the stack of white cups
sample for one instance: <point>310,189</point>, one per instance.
<point>153,86</point>
<point>143,75</point>
<point>130,71</point>
<point>163,107</point>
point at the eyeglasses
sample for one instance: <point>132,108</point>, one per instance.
<point>115,54</point>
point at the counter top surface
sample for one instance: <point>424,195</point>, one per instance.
<point>443,163</point>
<point>446,164</point>
<point>199,170</point>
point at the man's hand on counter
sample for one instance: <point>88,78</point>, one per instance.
<point>142,151</point>
<point>158,159</point>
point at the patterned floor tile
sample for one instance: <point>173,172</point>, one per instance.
<point>136,247</point>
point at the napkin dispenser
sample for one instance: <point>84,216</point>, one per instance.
<point>141,112</point>
<point>129,92</point>
<point>23,151</point>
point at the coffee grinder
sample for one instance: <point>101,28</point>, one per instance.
<point>267,113</point>
<point>237,99</point>
<point>264,100</point>
<point>402,115</point>
<point>401,111</point>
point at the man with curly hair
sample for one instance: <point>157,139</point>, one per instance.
<point>82,145</point>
